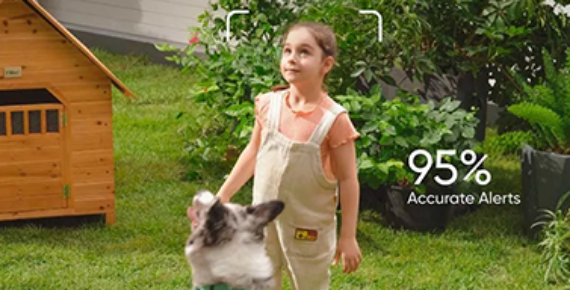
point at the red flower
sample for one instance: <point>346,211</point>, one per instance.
<point>194,39</point>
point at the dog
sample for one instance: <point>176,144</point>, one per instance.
<point>226,246</point>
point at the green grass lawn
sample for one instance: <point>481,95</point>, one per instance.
<point>144,250</point>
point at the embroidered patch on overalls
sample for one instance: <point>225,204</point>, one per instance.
<point>305,235</point>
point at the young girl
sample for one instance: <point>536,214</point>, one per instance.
<point>302,152</point>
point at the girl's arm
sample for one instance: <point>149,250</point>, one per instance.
<point>347,250</point>
<point>244,167</point>
<point>345,165</point>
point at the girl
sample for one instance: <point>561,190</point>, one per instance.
<point>302,152</point>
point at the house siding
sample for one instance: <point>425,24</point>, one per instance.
<point>147,21</point>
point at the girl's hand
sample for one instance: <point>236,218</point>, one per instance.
<point>349,251</point>
<point>192,216</point>
<point>223,198</point>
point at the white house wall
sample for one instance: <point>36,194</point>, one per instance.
<point>149,21</point>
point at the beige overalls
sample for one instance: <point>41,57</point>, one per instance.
<point>303,238</point>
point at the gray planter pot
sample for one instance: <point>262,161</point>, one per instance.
<point>398,214</point>
<point>545,179</point>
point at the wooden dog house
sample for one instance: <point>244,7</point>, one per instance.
<point>56,140</point>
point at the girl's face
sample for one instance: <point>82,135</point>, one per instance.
<point>302,60</point>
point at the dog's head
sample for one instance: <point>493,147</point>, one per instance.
<point>218,223</point>
<point>222,235</point>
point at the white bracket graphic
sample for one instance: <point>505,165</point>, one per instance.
<point>379,21</point>
<point>228,21</point>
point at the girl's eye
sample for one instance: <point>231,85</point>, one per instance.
<point>304,51</point>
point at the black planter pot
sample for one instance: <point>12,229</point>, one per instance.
<point>400,214</point>
<point>545,179</point>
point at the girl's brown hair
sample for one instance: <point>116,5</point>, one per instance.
<point>324,37</point>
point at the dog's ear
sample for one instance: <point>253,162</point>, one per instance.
<point>217,211</point>
<point>265,212</point>
<point>216,229</point>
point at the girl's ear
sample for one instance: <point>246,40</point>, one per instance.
<point>328,64</point>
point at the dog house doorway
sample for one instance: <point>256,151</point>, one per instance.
<point>32,151</point>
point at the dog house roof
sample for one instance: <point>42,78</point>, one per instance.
<point>69,36</point>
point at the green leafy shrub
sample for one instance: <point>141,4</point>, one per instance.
<point>507,143</point>
<point>230,80</point>
<point>229,77</point>
<point>363,60</point>
<point>546,107</point>
<point>392,129</point>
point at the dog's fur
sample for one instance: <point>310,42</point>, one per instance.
<point>227,244</point>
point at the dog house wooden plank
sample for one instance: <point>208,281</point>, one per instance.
<point>37,31</point>
<point>92,158</point>
<point>92,174</point>
<point>8,124</point>
<point>18,17</point>
<point>66,75</point>
<point>52,45</point>
<point>46,187</point>
<point>87,110</point>
<point>90,95</point>
<point>57,60</point>
<point>12,9</point>
<point>85,190</point>
<point>103,203</point>
<point>78,88</point>
<point>91,141</point>
<point>30,107</point>
<point>47,35</point>
<point>43,121</point>
<point>36,214</point>
<point>39,61</point>
<point>26,123</point>
<point>85,70</point>
<point>91,125</point>
<point>26,33</point>
<point>18,84</point>
<point>28,154</point>
<point>25,172</point>
<point>43,202</point>
<point>44,66</point>
<point>54,66</point>
<point>72,78</point>
<point>31,141</point>
<point>55,53</point>
<point>86,92</point>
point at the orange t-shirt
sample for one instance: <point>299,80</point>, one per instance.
<point>299,126</point>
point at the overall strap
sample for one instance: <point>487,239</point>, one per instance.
<point>325,124</point>
<point>274,113</point>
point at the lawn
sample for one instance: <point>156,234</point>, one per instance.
<point>144,250</point>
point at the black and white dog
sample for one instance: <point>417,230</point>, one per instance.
<point>227,247</point>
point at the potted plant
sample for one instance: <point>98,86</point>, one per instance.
<point>546,166</point>
<point>390,131</point>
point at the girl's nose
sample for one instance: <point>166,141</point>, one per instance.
<point>291,60</point>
